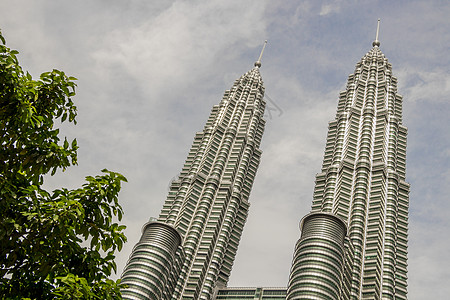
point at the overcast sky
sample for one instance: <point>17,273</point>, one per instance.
<point>150,71</point>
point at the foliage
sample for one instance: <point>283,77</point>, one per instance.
<point>60,244</point>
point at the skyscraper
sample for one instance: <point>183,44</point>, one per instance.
<point>353,244</point>
<point>188,252</point>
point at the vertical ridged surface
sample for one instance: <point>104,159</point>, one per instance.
<point>151,263</point>
<point>208,202</point>
<point>363,180</point>
<point>317,270</point>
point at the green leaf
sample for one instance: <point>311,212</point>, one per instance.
<point>44,247</point>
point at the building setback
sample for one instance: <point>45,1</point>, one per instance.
<point>188,252</point>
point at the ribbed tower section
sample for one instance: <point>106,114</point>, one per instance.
<point>318,258</point>
<point>362,182</point>
<point>188,253</point>
<point>154,262</point>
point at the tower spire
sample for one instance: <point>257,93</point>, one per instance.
<point>377,42</point>
<point>258,62</point>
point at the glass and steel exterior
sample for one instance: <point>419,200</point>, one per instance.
<point>319,257</point>
<point>362,182</point>
<point>188,253</point>
<point>353,244</point>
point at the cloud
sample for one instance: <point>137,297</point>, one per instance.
<point>330,8</point>
<point>150,71</point>
<point>420,85</point>
<point>179,53</point>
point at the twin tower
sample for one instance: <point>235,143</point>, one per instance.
<point>353,244</point>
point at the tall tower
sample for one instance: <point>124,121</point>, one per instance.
<point>353,244</point>
<point>188,252</point>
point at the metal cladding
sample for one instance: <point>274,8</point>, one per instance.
<point>318,258</point>
<point>353,244</point>
<point>208,202</point>
<point>362,181</point>
<point>150,265</point>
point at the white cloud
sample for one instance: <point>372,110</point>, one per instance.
<point>420,85</point>
<point>327,9</point>
<point>184,42</point>
<point>149,72</point>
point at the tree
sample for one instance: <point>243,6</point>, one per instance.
<point>60,244</point>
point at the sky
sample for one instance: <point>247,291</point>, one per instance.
<point>149,73</point>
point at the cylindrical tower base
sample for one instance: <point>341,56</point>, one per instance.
<point>151,261</point>
<point>318,263</point>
